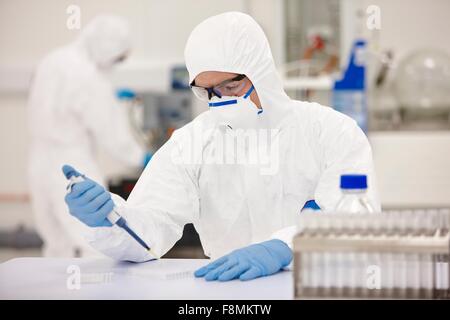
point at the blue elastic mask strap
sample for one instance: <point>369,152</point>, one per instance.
<point>249,92</point>
<point>222,103</point>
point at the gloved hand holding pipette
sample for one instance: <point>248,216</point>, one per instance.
<point>92,204</point>
<point>87,200</point>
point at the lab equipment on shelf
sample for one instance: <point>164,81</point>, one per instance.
<point>349,93</point>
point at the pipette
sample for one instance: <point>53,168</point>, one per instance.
<point>114,217</point>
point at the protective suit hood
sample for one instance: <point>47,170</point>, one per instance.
<point>104,39</point>
<point>234,42</point>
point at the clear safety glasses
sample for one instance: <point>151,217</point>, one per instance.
<point>230,87</point>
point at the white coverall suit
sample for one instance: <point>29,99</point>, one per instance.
<point>235,205</point>
<point>72,112</point>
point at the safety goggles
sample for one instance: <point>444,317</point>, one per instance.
<point>230,87</point>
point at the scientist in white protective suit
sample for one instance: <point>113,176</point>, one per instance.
<point>240,172</point>
<point>72,112</point>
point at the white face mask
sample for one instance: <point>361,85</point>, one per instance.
<point>236,112</point>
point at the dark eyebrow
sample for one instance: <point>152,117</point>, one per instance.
<point>238,77</point>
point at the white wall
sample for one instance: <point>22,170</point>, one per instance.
<point>29,29</point>
<point>406,25</point>
<point>412,168</point>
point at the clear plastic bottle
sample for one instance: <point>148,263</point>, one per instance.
<point>354,195</point>
<point>354,201</point>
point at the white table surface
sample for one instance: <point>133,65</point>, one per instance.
<point>47,278</point>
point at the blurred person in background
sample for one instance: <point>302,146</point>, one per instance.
<point>72,112</point>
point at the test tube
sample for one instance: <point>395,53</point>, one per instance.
<point>445,270</point>
<point>323,259</point>
<point>350,281</point>
<point>416,276</point>
<point>380,257</point>
<point>304,273</point>
<point>314,272</point>
<point>402,258</point>
<point>365,258</point>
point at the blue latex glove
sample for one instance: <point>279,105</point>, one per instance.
<point>311,204</point>
<point>88,201</point>
<point>254,261</point>
<point>125,94</point>
<point>147,157</point>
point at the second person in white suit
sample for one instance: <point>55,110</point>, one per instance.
<point>73,112</point>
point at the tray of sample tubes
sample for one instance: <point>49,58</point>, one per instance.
<point>401,254</point>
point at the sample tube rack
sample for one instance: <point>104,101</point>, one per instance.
<point>402,254</point>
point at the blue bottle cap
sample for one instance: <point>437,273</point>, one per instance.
<point>353,181</point>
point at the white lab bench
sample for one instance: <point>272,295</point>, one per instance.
<point>58,278</point>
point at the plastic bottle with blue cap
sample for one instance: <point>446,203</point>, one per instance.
<point>354,200</point>
<point>354,195</point>
<point>349,93</point>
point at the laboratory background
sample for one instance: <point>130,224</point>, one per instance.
<point>402,100</point>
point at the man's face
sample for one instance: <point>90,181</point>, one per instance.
<point>120,58</point>
<point>209,79</point>
<point>109,67</point>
